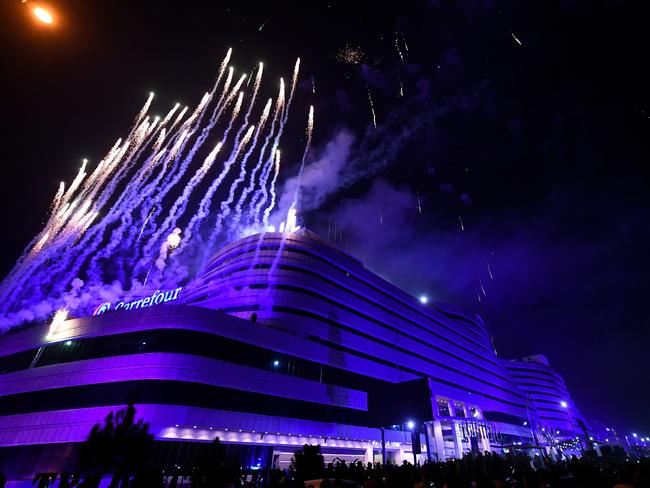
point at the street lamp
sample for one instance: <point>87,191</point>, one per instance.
<point>41,12</point>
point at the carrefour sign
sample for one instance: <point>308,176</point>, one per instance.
<point>158,297</point>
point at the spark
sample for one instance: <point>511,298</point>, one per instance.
<point>372,108</point>
<point>174,239</point>
<point>262,26</point>
<point>462,227</point>
<point>39,245</point>
<point>399,51</point>
<point>294,79</point>
<point>490,271</point>
<point>310,125</point>
<point>59,317</point>
<point>146,222</point>
<point>144,109</point>
<point>419,203</point>
<point>54,206</point>
<point>170,114</point>
<point>313,85</point>
<point>406,46</point>
<point>401,86</point>
<point>515,38</point>
<point>350,55</point>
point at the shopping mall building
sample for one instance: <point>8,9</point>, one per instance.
<point>284,340</point>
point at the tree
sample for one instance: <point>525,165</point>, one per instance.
<point>121,446</point>
<point>212,469</point>
<point>308,464</point>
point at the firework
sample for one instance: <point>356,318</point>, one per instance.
<point>113,222</point>
<point>372,108</point>
<point>399,51</point>
<point>59,317</point>
<point>515,38</point>
<point>350,55</point>
<point>309,134</point>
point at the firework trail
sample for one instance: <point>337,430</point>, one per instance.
<point>254,171</point>
<point>39,241</point>
<point>372,108</point>
<point>310,132</point>
<point>204,207</point>
<point>294,81</point>
<point>145,255</point>
<point>261,192</point>
<point>262,26</point>
<point>285,111</point>
<point>406,46</point>
<point>168,184</point>
<point>143,111</point>
<point>96,223</point>
<point>291,214</point>
<point>117,211</point>
<point>179,117</point>
<point>515,38</point>
<point>170,114</point>
<point>267,211</point>
<point>179,206</point>
<point>53,236</point>
<point>399,51</point>
<point>225,205</point>
<point>242,174</point>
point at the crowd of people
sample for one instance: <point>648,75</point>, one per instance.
<point>477,471</point>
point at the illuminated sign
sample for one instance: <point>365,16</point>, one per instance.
<point>157,298</point>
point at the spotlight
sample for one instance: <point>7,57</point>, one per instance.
<point>424,299</point>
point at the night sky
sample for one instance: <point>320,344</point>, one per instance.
<point>508,172</point>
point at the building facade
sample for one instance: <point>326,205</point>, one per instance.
<point>283,340</point>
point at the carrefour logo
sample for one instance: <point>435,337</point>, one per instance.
<point>157,298</point>
<point>104,307</point>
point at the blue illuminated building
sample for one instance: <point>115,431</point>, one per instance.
<point>282,340</point>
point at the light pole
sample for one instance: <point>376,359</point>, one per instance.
<point>411,425</point>
<point>426,441</point>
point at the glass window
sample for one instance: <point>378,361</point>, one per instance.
<point>443,409</point>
